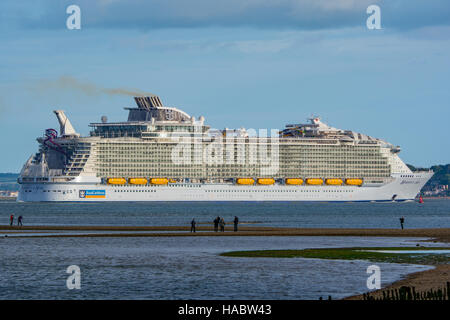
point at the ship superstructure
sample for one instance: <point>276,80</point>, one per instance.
<point>162,153</point>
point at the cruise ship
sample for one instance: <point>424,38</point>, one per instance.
<point>161,153</point>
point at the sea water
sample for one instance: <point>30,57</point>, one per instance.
<point>185,268</point>
<point>192,267</point>
<point>431,214</point>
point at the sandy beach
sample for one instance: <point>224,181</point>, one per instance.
<point>435,234</point>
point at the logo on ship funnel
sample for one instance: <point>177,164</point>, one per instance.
<point>92,194</point>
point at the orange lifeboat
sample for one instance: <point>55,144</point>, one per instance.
<point>314,181</point>
<point>159,180</point>
<point>137,181</point>
<point>245,181</point>
<point>334,182</point>
<point>116,181</point>
<point>354,182</point>
<point>294,181</point>
<point>266,181</point>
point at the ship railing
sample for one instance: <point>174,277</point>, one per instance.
<point>423,171</point>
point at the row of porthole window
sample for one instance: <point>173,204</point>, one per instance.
<point>130,190</point>
<point>68,191</point>
<point>278,190</point>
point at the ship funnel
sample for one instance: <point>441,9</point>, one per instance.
<point>148,103</point>
<point>66,128</point>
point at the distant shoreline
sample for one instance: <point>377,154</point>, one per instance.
<point>8,198</point>
<point>432,198</point>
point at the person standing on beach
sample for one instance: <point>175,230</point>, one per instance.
<point>193,225</point>
<point>236,222</point>
<point>19,221</point>
<point>11,220</point>
<point>402,220</point>
<point>216,224</point>
<point>222,225</point>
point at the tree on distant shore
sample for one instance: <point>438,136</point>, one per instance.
<point>441,175</point>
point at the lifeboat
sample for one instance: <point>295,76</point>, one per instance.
<point>334,182</point>
<point>354,182</point>
<point>314,181</point>
<point>159,181</point>
<point>266,181</point>
<point>294,181</point>
<point>172,180</point>
<point>137,181</point>
<point>245,181</point>
<point>116,181</point>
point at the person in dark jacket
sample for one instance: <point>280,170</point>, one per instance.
<point>193,225</point>
<point>222,225</point>
<point>402,220</point>
<point>236,222</point>
<point>216,224</point>
<point>19,221</point>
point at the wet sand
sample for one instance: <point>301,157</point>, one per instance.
<point>435,234</point>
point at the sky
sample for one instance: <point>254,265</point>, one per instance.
<point>239,63</point>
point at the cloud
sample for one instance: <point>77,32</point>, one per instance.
<point>272,14</point>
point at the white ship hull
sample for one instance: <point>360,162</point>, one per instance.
<point>403,187</point>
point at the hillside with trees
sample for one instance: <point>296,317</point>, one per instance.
<point>440,181</point>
